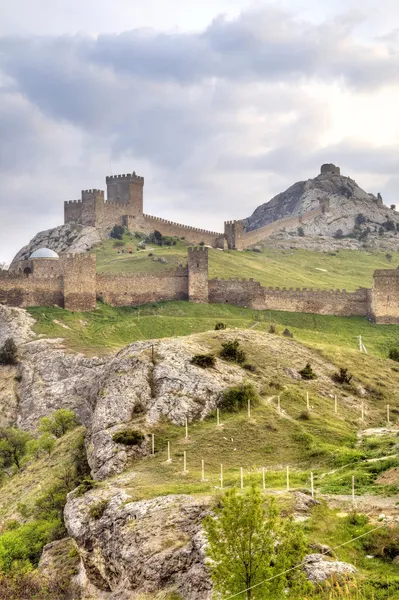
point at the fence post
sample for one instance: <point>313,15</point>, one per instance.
<point>388,415</point>
<point>353,490</point>
<point>217,418</point>
<point>241,478</point>
<point>186,429</point>
<point>278,405</point>
<point>307,401</point>
<point>169,459</point>
<point>335,404</point>
<point>152,444</point>
<point>184,462</point>
<point>288,478</point>
<point>203,470</point>
<point>249,408</point>
<point>263,479</point>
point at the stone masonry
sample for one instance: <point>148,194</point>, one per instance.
<point>72,283</point>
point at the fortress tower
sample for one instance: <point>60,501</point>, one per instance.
<point>126,189</point>
<point>234,234</point>
<point>198,275</point>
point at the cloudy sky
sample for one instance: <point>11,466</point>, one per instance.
<point>219,104</point>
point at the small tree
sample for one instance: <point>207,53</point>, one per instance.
<point>237,397</point>
<point>394,354</point>
<point>9,353</point>
<point>393,206</point>
<point>231,351</point>
<point>157,238</point>
<point>307,372</point>
<point>248,544</point>
<point>339,234</point>
<point>300,232</point>
<point>61,421</point>
<point>343,376</point>
<point>117,232</point>
<point>13,446</point>
<point>388,257</point>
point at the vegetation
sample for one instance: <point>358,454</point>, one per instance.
<point>394,353</point>
<point>117,232</point>
<point>220,326</point>
<point>97,510</point>
<point>238,397</point>
<point>231,351</point>
<point>243,549</point>
<point>205,361</point>
<point>13,447</point>
<point>8,353</point>
<point>307,372</point>
<point>61,421</point>
<point>128,437</point>
<point>343,376</point>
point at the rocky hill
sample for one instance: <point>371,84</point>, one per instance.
<point>347,206</point>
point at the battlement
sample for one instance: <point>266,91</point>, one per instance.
<point>198,249</point>
<point>90,194</point>
<point>187,227</point>
<point>233,222</point>
<point>125,177</point>
<point>66,202</point>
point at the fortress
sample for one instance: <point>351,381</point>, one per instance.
<point>72,282</point>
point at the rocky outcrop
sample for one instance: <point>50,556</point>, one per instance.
<point>158,380</point>
<point>318,569</point>
<point>342,198</point>
<point>15,323</point>
<point>69,238</point>
<point>144,547</point>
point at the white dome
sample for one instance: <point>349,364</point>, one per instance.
<point>44,253</point>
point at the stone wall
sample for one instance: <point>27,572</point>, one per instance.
<point>253,295</point>
<point>21,291</point>
<point>148,224</point>
<point>198,275</point>
<point>79,282</point>
<point>141,288</point>
<point>385,296</point>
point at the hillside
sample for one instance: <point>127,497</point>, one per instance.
<point>343,201</point>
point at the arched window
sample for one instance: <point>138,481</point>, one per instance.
<point>27,271</point>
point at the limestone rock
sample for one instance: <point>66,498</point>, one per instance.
<point>303,502</point>
<point>318,569</point>
<point>15,323</point>
<point>69,238</point>
<point>346,200</point>
<point>143,547</point>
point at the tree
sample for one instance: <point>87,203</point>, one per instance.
<point>300,232</point>
<point>61,421</point>
<point>248,543</point>
<point>44,444</point>
<point>13,446</point>
<point>393,206</point>
<point>117,232</point>
<point>9,353</point>
<point>339,234</point>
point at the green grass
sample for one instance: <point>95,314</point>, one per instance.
<point>345,269</point>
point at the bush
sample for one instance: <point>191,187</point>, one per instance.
<point>236,398</point>
<point>339,234</point>
<point>300,232</point>
<point>394,353</point>
<point>249,367</point>
<point>202,243</point>
<point>343,376</point>
<point>203,360</point>
<point>119,244</point>
<point>360,219</point>
<point>231,351</point>
<point>220,326</point>
<point>288,333</point>
<point>307,372</point>
<point>8,353</point>
<point>128,437</point>
<point>383,543</point>
<point>272,328</point>
<point>117,232</point>
<point>61,421</point>
<point>304,415</point>
<point>96,511</point>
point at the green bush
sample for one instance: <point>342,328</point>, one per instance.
<point>249,367</point>
<point>288,333</point>
<point>307,372</point>
<point>231,351</point>
<point>343,376</point>
<point>203,360</point>
<point>383,543</point>
<point>23,546</point>
<point>61,421</point>
<point>236,398</point>
<point>117,232</point>
<point>219,326</point>
<point>272,328</point>
<point>394,353</point>
<point>97,510</point>
<point>128,437</point>
<point>8,353</point>
<point>86,485</point>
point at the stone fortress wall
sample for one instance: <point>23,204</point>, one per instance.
<point>72,283</point>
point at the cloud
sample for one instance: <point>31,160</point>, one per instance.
<point>217,121</point>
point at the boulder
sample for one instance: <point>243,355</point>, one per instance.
<point>318,569</point>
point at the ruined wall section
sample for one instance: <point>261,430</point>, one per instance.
<point>252,294</point>
<point>198,275</point>
<point>147,224</point>
<point>385,302</point>
<point>79,282</point>
<point>142,288</point>
<point>21,291</point>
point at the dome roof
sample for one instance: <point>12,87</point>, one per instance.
<point>44,253</point>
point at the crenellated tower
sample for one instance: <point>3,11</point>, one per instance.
<point>126,189</point>
<point>234,234</point>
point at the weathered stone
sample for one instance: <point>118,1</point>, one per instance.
<point>318,569</point>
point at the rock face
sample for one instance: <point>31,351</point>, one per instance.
<point>158,380</point>
<point>66,238</point>
<point>15,323</point>
<point>145,547</point>
<point>344,198</point>
<point>318,569</point>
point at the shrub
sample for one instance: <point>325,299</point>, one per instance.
<point>203,360</point>
<point>388,257</point>
<point>288,333</point>
<point>128,437</point>
<point>343,376</point>
<point>61,421</point>
<point>236,398</point>
<point>231,351</point>
<point>300,232</point>
<point>119,244</point>
<point>86,485</point>
<point>304,415</point>
<point>339,234</point>
<point>220,326</point>
<point>97,510</point>
<point>383,543</point>
<point>117,232</point>
<point>272,328</point>
<point>202,243</point>
<point>360,219</point>
<point>394,353</point>
<point>8,353</point>
<point>307,372</point>
<point>249,367</point>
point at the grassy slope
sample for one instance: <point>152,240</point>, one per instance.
<point>348,269</point>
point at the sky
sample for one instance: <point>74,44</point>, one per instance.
<point>219,104</point>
